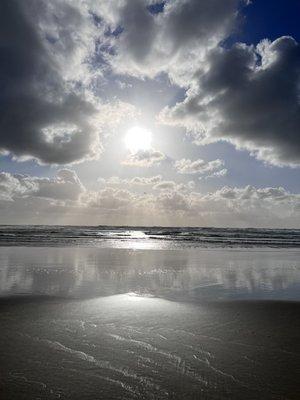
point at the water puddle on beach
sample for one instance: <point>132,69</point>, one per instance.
<point>89,323</point>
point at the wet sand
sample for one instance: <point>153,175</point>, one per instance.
<point>132,347</point>
<point>120,324</point>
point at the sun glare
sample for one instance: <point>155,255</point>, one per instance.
<point>138,138</point>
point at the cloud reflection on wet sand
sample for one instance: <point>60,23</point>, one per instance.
<point>189,273</point>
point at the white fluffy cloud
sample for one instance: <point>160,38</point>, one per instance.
<point>25,198</point>
<point>209,168</point>
<point>144,158</point>
<point>108,198</point>
<point>136,181</point>
<point>155,182</point>
<point>173,202</point>
<point>165,185</point>
<point>15,185</point>
<point>252,193</point>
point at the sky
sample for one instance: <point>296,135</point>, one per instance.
<point>136,112</point>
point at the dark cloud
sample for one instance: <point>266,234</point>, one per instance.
<point>42,116</point>
<point>187,21</point>
<point>139,29</point>
<point>172,39</point>
<point>249,96</point>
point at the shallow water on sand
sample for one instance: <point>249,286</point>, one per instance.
<point>104,323</point>
<point>186,274</point>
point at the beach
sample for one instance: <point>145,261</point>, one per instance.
<point>149,200</point>
<point>129,321</point>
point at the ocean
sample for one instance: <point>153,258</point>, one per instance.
<point>147,237</point>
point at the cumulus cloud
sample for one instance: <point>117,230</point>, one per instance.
<point>144,158</point>
<point>216,174</point>
<point>27,199</point>
<point>48,110</point>
<point>251,193</point>
<point>173,201</point>
<point>152,180</point>
<point>245,206</point>
<point>156,182</point>
<point>53,57</point>
<point>170,41</point>
<point>137,180</point>
<point>165,185</point>
<point>249,96</point>
<point>174,186</point>
<point>64,186</point>
<point>108,198</point>
<point>15,185</point>
<point>51,53</point>
<point>42,116</point>
<point>212,168</point>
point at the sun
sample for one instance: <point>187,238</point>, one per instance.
<point>138,138</point>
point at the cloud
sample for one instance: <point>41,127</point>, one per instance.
<point>165,185</point>
<point>42,115</point>
<point>249,96</point>
<point>15,185</point>
<point>64,186</point>
<point>108,198</point>
<point>216,174</point>
<point>152,180</point>
<point>144,158</point>
<point>48,111</point>
<point>231,206</point>
<point>173,202</point>
<point>54,54</point>
<point>213,168</point>
<point>156,182</point>
<point>169,41</point>
<point>175,186</point>
<point>251,193</point>
<point>136,181</point>
<point>63,199</point>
